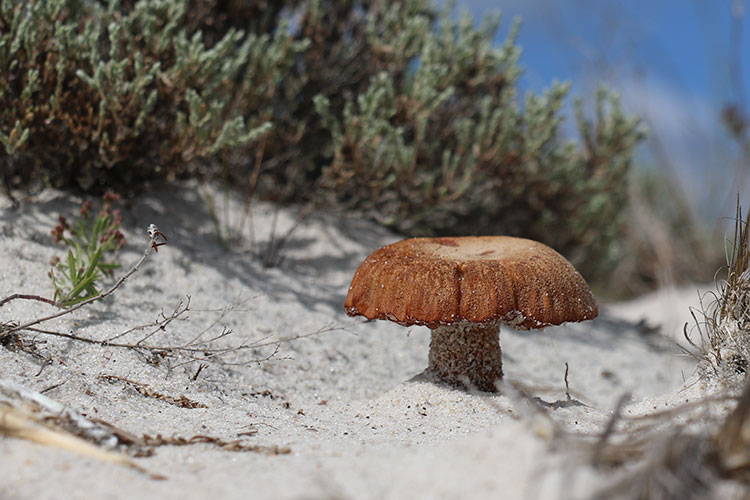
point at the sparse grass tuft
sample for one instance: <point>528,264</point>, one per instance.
<point>724,330</point>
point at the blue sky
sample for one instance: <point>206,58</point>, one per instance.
<point>669,60</point>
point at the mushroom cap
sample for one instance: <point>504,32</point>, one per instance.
<point>480,279</point>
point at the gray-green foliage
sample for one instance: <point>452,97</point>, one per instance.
<point>392,108</point>
<point>446,146</point>
<point>129,90</point>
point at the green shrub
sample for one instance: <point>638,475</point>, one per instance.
<point>99,96</point>
<point>443,145</point>
<point>391,108</point>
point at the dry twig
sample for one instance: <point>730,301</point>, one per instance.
<point>154,234</point>
<point>232,445</point>
<point>146,391</point>
<point>202,348</point>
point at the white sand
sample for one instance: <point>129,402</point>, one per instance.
<point>347,402</point>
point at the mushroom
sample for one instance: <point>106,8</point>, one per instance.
<point>463,288</point>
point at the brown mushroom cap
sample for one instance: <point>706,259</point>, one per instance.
<point>441,281</point>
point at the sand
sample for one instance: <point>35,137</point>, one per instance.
<point>338,411</point>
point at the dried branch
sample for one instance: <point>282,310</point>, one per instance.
<point>159,324</point>
<point>154,234</point>
<point>25,296</point>
<point>197,349</point>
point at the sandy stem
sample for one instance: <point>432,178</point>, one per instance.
<point>467,354</point>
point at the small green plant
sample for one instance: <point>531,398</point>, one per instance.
<point>88,240</point>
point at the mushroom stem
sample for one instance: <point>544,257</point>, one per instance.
<point>467,354</point>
